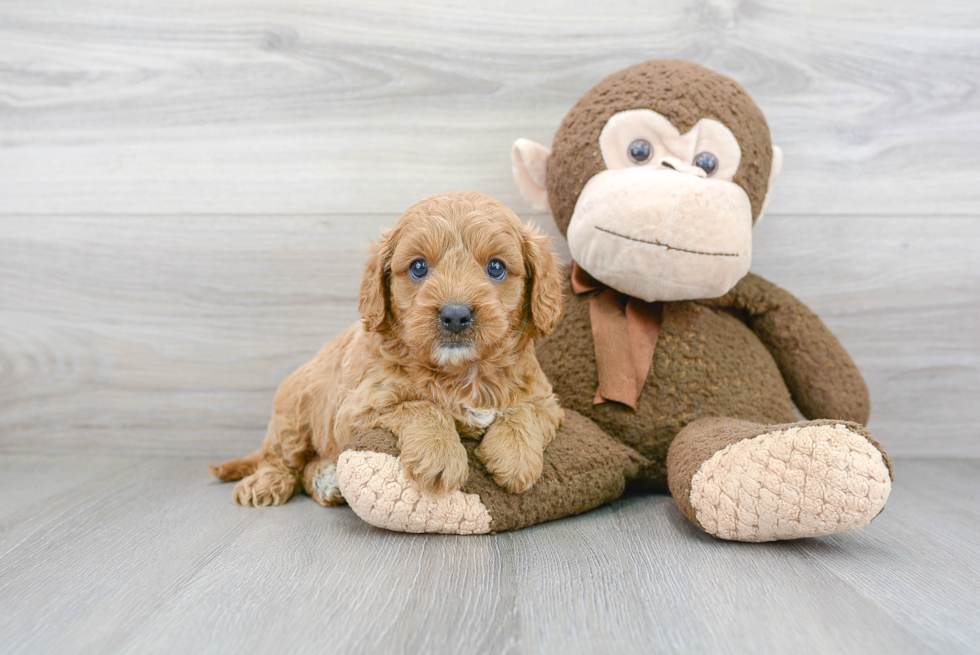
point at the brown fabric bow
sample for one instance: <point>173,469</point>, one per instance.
<point>625,331</point>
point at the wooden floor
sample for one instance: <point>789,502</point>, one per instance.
<point>142,555</point>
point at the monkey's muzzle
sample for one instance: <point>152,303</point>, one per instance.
<point>659,234</point>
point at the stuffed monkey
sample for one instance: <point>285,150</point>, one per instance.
<point>678,368</point>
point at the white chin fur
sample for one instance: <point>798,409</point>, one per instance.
<point>662,235</point>
<point>454,356</point>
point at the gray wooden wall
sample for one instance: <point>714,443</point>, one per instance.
<point>187,187</point>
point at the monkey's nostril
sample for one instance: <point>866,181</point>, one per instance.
<point>668,164</point>
<point>456,318</point>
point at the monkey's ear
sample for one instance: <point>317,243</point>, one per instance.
<point>530,163</point>
<point>544,293</point>
<point>373,303</point>
<point>774,170</point>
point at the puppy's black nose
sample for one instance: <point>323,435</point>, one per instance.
<point>456,318</point>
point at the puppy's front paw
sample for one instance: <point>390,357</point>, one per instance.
<point>437,465</point>
<point>267,486</point>
<point>514,464</point>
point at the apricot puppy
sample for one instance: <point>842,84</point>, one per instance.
<point>451,301</point>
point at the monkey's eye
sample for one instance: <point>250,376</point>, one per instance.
<point>706,162</point>
<point>496,270</point>
<point>640,151</point>
<point>419,269</point>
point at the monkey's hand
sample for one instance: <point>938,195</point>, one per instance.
<point>822,378</point>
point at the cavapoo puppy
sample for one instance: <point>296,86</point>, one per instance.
<point>451,301</point>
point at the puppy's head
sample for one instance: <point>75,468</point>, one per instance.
<point>460,279</point>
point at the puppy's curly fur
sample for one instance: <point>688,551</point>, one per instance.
<point>401,368</point>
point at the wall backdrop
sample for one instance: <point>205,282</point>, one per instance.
<point>187,187</point>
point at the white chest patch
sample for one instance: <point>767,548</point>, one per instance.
<point>480,418</point>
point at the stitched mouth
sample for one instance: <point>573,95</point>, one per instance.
<point>666,245</point>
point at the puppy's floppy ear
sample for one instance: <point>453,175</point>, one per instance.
<point>374,304</point>
<point>543,298</point>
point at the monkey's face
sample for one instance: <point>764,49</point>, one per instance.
<point>657,176</point>
<point>664,220</point>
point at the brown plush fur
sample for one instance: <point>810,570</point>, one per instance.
<point>821,377</point>
<point>683,93</point>
<point>391,369</point>
<point>707,363</point>
<point>713,358</point>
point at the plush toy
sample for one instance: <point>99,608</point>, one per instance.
<point>677,367</point>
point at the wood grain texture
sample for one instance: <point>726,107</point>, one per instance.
<point>169,335</point>
<point>154,557</point>
<point>286,106</point>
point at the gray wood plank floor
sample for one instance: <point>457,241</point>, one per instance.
<point>121,554</point>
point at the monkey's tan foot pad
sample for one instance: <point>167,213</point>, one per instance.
<point>583,468</point>
<point>805,481</point>
<point>380,492</point>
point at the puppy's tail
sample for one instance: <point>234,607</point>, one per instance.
<point>236,469</point>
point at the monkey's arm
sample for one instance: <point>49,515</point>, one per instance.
<point>820,375</point>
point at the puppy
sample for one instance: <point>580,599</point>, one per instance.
<point>451,301</point>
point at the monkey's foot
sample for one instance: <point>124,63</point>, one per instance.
<point>583,468</point>
<point>380,491</point>
<point>747,482</point>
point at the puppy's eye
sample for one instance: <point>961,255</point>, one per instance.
<point>419,269</point>
<point>706,162</point>
<point>496,270</point>
<point>640,151</point>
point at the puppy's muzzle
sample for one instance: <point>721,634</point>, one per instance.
<point>456,318</point>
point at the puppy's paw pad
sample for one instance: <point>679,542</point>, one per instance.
<point>264,488</point>
<point>326,488</point>
<point>380,491</point>
<point>515,472</point>
<point>516,481</point>
<point>438,468</point>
